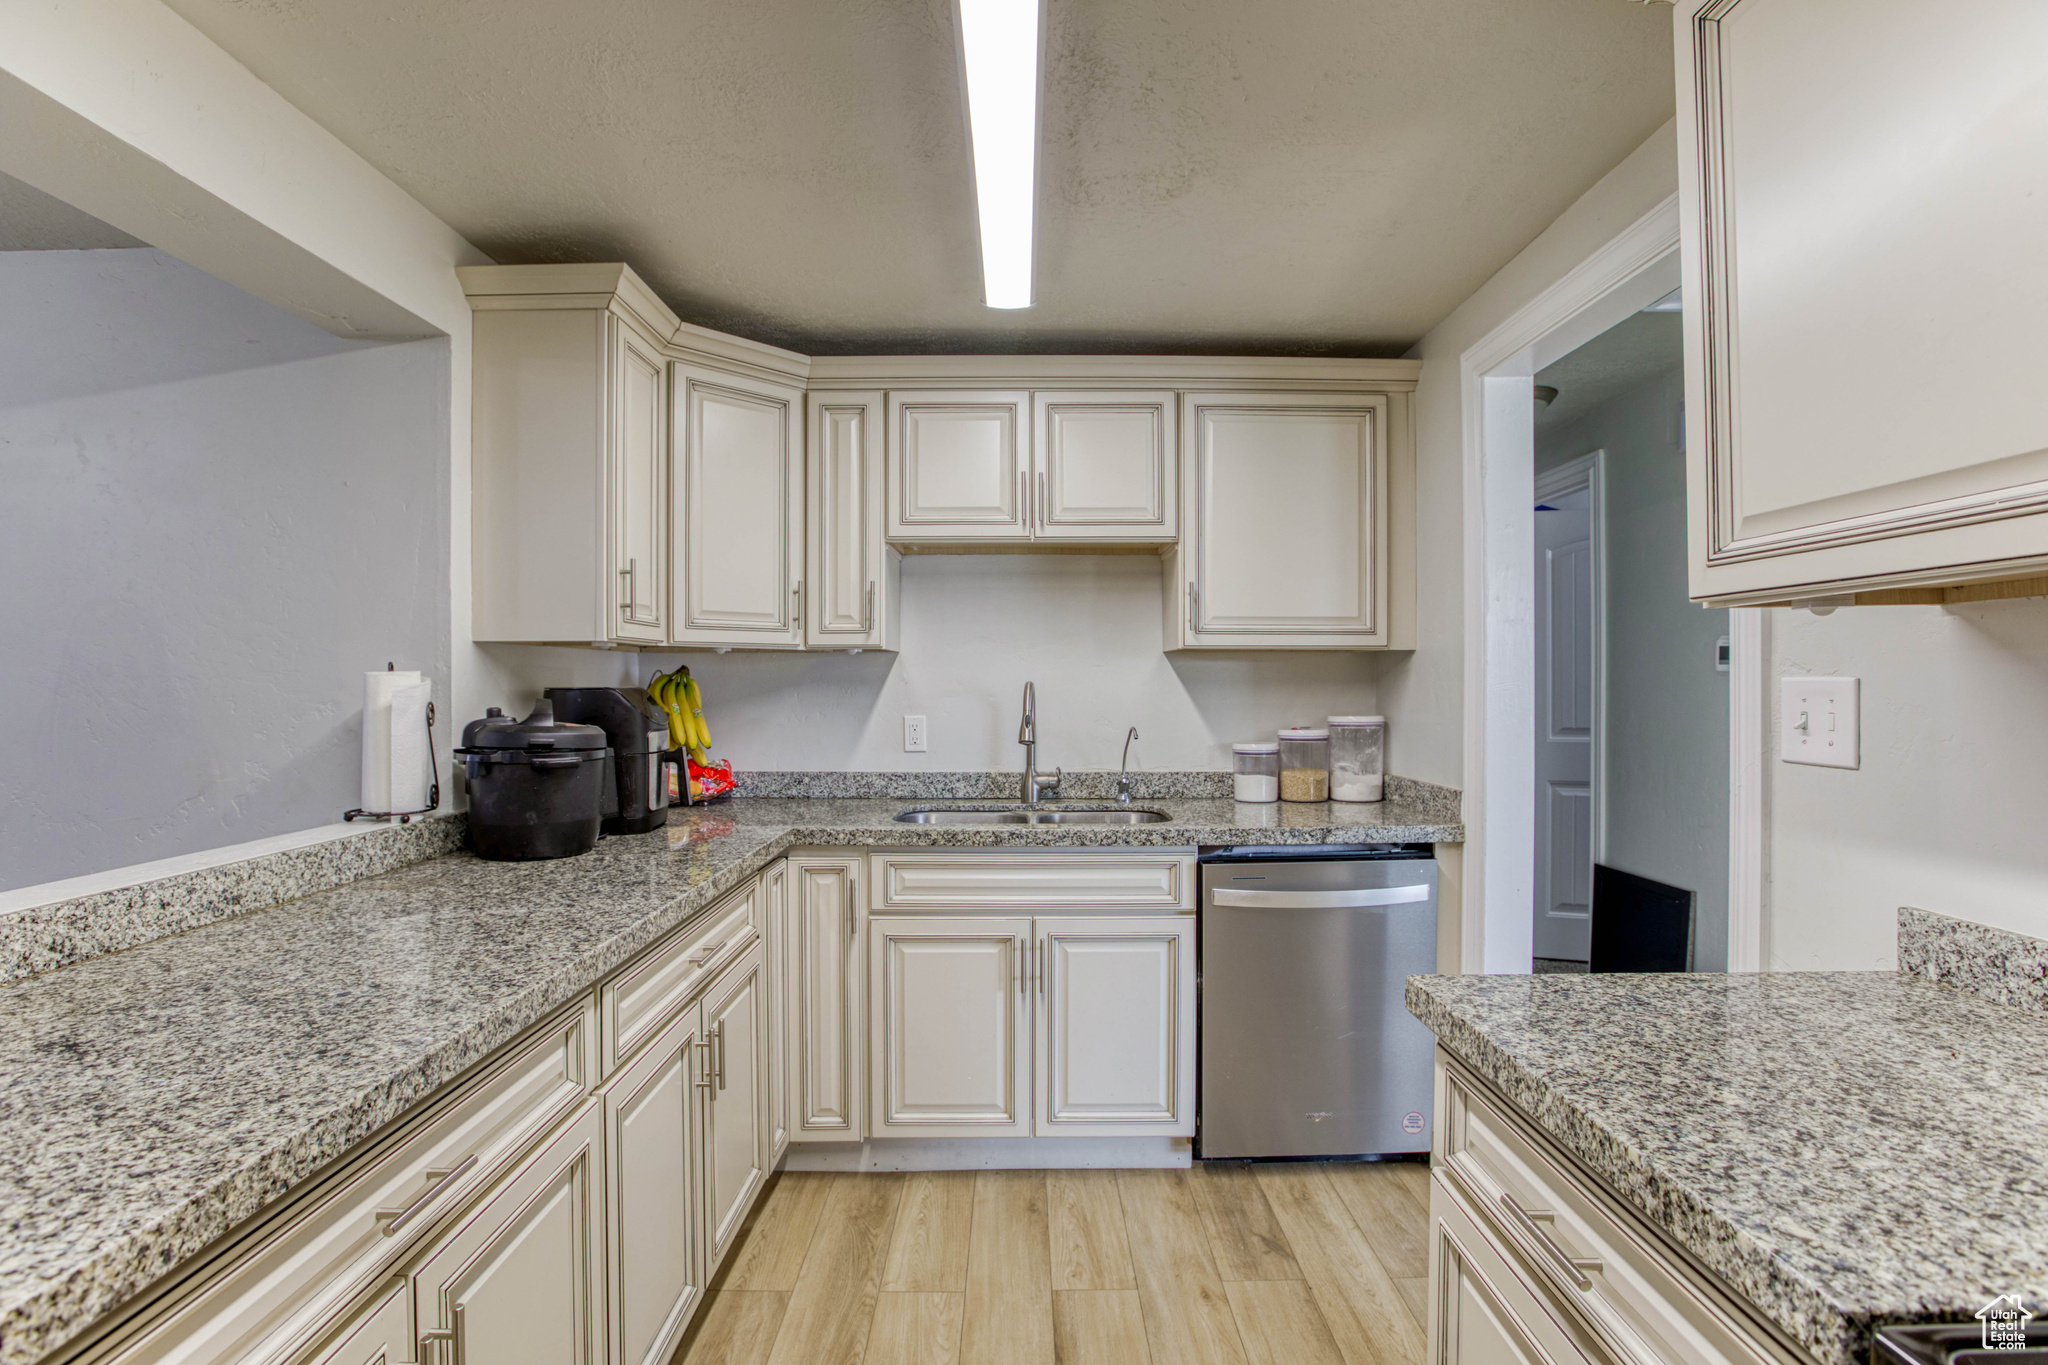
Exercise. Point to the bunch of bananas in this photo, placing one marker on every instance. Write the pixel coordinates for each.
(677, 694)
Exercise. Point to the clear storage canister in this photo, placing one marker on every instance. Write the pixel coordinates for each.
(1255, 772)
(1358, 758)
(1305, 764)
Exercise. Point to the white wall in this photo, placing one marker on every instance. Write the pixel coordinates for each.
(1423, 693)
(1947, 811)
(217, 517)
(1664, 714)
(1085, 628)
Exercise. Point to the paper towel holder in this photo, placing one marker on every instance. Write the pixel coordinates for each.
(405, 817)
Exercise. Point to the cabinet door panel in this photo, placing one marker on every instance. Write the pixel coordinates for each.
(826, 985)
(639, 459)
(948, 1054)
(653, 1142)
(775, 925)
(737, 1140)
(847, 579)
(1288, 519)
(518, 1277)
(957, 466)
(1856, 176)
(1104, 466)
(739, 493)
(380, 1334)
(1116, 1033)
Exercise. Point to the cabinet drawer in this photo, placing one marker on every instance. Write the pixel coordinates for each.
(1485, 1308)
(639, 1002)
(295, 1289)
(1079, 879)
(1642, 1307)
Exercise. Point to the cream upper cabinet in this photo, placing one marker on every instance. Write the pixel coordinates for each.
(1285, 526)
(653, 1126)
(738, 513)
(958, 465)
(825, 1010)
(852, 572)
(1103, 466)
(1863, 195)
(1116, 1025)
(949, 1026)
(520, 1276)
(569, 469)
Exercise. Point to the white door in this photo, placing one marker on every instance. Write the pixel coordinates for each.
(950, 1026)
(957, 466)
(1565, 698)
(847, 570)
(638, 454)
(379, 1334)
(1284, 541)
(1853, 175)
(1116, 1025)
(653, 1147)
(739, 489)
(824, 1011)
(736, 1138)
(517, 1280)
(1103, 466)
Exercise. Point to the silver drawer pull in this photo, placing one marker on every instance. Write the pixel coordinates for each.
(1356, 899)
(1575, 1268)
(708, 1078)
(394, 1220)
(705, 954)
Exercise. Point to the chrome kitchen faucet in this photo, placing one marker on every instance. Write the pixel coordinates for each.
(1027, 735)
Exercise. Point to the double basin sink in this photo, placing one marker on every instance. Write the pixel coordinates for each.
(1033, 815)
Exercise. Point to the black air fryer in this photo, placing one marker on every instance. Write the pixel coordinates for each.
(536, 788)
(636, 799)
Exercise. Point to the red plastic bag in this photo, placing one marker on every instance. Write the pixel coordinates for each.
(708, 783)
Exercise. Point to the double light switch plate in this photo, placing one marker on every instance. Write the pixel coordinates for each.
(1820, 722)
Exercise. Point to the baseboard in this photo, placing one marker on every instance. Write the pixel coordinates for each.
(991, 1154)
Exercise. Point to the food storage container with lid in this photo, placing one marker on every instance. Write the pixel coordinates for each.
(1255, 771)
(1358, 758)
(1305, 764)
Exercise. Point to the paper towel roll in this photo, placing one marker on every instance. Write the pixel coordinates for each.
(385, 774)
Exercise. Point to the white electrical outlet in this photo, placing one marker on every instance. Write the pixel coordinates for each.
(1820, 722)
(913, 734)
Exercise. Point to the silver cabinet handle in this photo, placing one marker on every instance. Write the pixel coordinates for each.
(708, 1076)
(1041, 954)
(1574, 1268)
(797, 597)
(1024, 501)
(1191, 608)
(867, 615)
(1023, 967)
(705, 954)
(1321, 900)
(452, 1335)
(719, 1037)
(631, 573)
(850, 911)
(394, 1220)
(1044, 507)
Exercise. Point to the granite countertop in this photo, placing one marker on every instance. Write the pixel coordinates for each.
(1844, 1149)
(157, 1097)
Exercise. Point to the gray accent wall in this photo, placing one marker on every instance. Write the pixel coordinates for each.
(216, 517)
(1664, 789)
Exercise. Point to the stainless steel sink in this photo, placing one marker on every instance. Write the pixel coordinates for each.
(1046, 815)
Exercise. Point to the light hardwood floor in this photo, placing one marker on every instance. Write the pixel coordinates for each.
(1225, 1264)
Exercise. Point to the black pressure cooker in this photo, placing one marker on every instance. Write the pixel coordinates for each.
(536, 788)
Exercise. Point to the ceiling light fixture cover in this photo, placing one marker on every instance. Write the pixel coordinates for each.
(999, 54)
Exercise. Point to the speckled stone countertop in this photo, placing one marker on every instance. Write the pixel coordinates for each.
(156, 1098)
(1844, 1149)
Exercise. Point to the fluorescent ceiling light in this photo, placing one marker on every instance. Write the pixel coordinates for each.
(999, 50)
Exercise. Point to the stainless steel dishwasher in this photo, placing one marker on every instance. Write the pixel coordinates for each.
(1306, 1047)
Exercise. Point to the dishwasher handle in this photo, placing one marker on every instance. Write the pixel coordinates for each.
(1355, 899)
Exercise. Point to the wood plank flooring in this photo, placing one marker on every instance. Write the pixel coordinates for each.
(1226, 1264)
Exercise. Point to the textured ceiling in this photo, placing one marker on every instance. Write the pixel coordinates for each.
(33, 221)
(1637, 348)
(1288, 176)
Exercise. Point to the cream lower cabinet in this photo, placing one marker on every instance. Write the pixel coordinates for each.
(998, 1026)
(737, 1138)
(520, 1275)
(655, 1145)
(380, 1334)
(774, 908)
(825, 1012)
